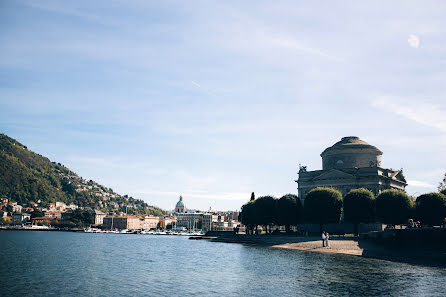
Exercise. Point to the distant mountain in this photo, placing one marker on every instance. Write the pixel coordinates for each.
(26, 176)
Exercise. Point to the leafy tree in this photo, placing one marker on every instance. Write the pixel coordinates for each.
(442, 185)
(36, 213)
(289, 211)
(323, 206)
(393, 207)
(359, 207)
(82, 217)
(265, 210)
(247, 216)
(5, 221)
(431, 208)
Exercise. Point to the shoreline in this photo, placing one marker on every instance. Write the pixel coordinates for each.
(350, 246)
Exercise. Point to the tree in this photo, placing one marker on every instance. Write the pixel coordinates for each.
(442, 186)
(253, 196)
(359, 207)
(247, 216)
(82, 217)
(289, 211)
(5, 221)
(393, 207)
(323, 206)
(431, 208)
(265, 210)
(36, 213)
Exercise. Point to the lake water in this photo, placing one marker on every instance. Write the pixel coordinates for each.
(81, 264)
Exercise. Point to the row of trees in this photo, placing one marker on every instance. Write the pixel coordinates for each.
(325, 205)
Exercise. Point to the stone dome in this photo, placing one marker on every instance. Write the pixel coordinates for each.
(351, 152)
(180, 202)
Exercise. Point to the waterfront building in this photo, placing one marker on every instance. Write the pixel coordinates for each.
(188, 220)
(149, 222)
(121, 222)
(165, 222)
(42, 221)
(180, 207)
(99, 217)
(208, 220)
(54, 214)
(19, 218)
(350, 164)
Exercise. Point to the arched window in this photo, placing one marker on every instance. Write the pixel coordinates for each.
(339, 163)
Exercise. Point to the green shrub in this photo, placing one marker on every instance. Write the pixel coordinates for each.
(393, 207)
(431, 208)
(323, 206)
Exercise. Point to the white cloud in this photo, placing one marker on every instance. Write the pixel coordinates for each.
(414, 41)
(421, 184)
(431, 115)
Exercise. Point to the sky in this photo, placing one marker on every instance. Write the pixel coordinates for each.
(213, 100)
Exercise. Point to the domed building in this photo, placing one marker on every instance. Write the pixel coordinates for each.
(350, 164)
(180, 207)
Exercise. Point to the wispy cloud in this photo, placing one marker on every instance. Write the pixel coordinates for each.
(64, 9)
(421, 184)
(414, 41)
(290, 43)
(431, 115)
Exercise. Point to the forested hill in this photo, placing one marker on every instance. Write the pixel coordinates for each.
(26, 176)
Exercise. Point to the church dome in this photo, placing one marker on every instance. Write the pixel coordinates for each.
(179, 207)
(351, 152)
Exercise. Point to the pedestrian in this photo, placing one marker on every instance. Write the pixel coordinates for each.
(323, 238)
(327, 236)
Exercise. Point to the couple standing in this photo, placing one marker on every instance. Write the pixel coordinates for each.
(325, 237)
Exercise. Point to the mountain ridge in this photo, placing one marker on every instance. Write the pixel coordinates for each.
(26, 176)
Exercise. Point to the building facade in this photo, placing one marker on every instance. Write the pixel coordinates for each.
(121, 222)
(350, 164)
(20, 218)
(149, 222)
(165, 222)
(189, 220)
(99, 217)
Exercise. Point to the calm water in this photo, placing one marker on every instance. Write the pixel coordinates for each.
(79, 264)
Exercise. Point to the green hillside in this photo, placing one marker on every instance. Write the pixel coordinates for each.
(26, 176)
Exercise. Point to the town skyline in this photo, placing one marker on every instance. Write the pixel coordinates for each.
(213, 101)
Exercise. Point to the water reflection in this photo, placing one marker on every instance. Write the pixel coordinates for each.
(70, 264)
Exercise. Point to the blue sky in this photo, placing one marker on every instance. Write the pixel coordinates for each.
(214, 100)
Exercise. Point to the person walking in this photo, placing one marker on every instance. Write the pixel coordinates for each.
(323, 238)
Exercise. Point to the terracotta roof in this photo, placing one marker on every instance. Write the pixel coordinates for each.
(43, 218)
(122, 217)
